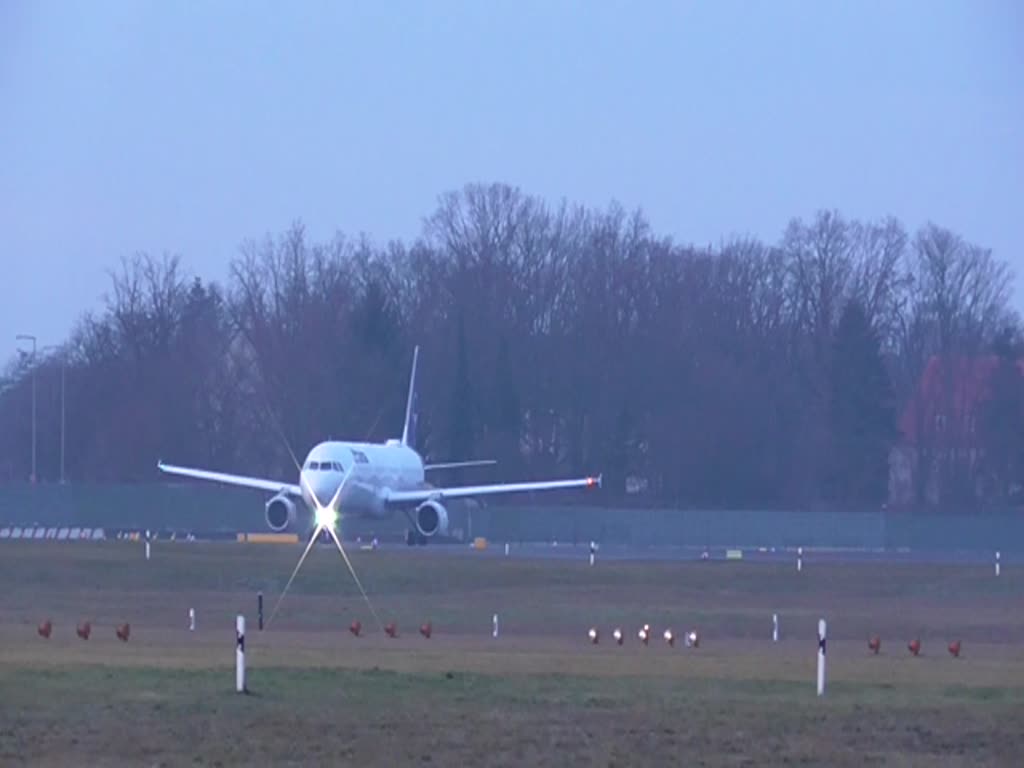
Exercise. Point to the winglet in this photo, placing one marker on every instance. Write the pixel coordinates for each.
(408, 430)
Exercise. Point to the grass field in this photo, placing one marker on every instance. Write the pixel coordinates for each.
(539, 694)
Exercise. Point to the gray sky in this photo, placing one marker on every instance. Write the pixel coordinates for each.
(189, 127)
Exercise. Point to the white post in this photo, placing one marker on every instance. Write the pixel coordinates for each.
(775, 627)
(240, 654)
(799, 559)
(592, 549)
(147, 550)
(997, 563)
(821, 657)
(506, 549)
(191, 619)
(494, 632)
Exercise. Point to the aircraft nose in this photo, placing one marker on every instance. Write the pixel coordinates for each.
(327, 485)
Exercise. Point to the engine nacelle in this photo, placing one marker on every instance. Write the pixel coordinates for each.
(280, 513)
(431, 519)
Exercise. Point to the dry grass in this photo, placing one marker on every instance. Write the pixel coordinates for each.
(538, 695)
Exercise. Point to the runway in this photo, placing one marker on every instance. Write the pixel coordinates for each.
(567, 551)
(766, 555)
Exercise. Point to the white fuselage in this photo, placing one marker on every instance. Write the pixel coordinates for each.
(368, 470)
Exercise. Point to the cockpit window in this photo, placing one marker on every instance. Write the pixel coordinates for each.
(325, 466)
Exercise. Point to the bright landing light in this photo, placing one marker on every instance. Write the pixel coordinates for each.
(326, 517)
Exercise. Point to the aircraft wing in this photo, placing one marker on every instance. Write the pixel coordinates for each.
(460, 464)
(412, 497)
(274, 486)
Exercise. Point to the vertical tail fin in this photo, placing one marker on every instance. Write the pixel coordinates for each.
(409, 429)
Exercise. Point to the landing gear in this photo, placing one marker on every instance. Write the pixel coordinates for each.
(414, 537)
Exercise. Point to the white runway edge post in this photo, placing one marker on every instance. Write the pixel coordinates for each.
(506, 549)
(775, 627)
(494, 632)
(799, 559)
(593, 549)
(191, 619)
(240, 654)
(821, 657)
(997, 563)
(147, 549)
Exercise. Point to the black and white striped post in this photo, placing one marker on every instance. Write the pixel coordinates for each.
(240, 654)
(821, 657)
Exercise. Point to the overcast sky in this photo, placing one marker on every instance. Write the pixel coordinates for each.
(188, 127)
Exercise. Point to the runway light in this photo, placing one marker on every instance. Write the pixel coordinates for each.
(617, 634)
(593, 635)
(44, 629)
(355, 627)
(427, 630)
(914, 646)
(123, 632)
(326, 517)
(692, 639)
(875, 643)
(391, 630)
(83, 630)
(669, 637)
(644, 634)
(954, 649)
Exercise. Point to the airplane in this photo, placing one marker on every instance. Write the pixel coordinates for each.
(371, 480)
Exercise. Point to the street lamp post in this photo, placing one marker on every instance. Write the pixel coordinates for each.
(30, 337)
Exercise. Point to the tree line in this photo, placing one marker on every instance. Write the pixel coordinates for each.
(557, 339)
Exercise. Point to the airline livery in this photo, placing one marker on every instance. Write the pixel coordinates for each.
(371, 480)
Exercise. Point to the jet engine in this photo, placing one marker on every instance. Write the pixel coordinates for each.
(280, 513)
(431, 519)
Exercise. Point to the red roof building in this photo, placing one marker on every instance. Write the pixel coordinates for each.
(941, 420)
